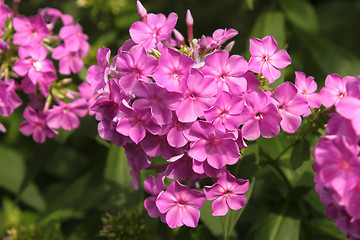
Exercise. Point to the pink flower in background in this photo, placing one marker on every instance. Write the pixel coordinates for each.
(291, 106)
(70, 61)
(35, 124)
(227, 192)
(307, 86)
(5, 11)
(227, 72)
(135, 66)
(180, 205)
(198, 97)
(173, 70)
(97, 75)
(259, 116)
(335, 89)
(349, 107)
(219, 37)
(9, 100)
(74, 38)
(265, 59)
(154, 188)
(33, 63)
(66, 115)
(154, 30)
(30, 31)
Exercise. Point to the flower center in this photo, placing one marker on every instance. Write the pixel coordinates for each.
(176, 75)
(37, 66)
(223, 77)
(341, 95)
(182, 202)
(259, 116)
(193, 95)
(266, 58)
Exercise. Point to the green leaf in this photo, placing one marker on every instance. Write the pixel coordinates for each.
(60, 215)
(250, 4)
(32, 196)
(300, 153)
(12, 169)
(270, 23)
(323, 228)
(280, 225)
(301, 13)
(116, 168)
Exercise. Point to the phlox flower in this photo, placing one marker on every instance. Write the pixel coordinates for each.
(180, 167)
(9, 100)
(259, 116)
(155, 145)
(180, 205)
(70, 61)
(227, 192)
(175, 135)
(30, 31)
(5, 11)
(335, 89)
(307, 86)
(35, 124)
(137, 160)
(134, 66)
(173, 70)
(66, 115)
(158, 99)
(133, 121)
(349, 107)
(154, 30)
(74, 38)
(265, 59)
(198, 97)
(225, 112)
(33, 63)
(107, 131)
(219, 37)
(44, 82)
(227, 72)
(97, 75)
(211, 145)
(291, 106)
(154, 188)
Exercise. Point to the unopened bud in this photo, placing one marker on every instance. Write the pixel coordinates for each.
(141, 11)
(230, 46)
(179, 37)
(190, 24)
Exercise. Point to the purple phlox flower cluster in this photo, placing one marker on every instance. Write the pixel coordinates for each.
(337, 154)
(35, 43)
(191, 106)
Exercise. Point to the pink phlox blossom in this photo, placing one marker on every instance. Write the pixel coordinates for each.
(44, 83)
(4, 46)
(137, 160)
(158, 99)
(155, 145)
(181, 205)
(51, 15)
(211, 145)
(225, 112)
(307, 86)
(9, 100)
(180, 167)
(260, 116)
(87, 94)
(70, 61)
(107, 131)
(227, 192)
(219, 37)
(66, 115)
(35, 124)
(133, 121)
(227, 72)
(198, 97)
(173, 70)
(265, 59)
(338, 159)
(176, 134)
(157, 28)
(74, 38)
(2, 128)
(291, 106)
(335, 89)
(33, 63)
(135, 66)
(252, 82)
(339, 125)
(153, 187)
(349, 106)
(30, 31)
(5, 11)
(206, 169)
(97, 75)
(107, 103)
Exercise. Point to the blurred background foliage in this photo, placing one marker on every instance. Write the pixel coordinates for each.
(77, 186)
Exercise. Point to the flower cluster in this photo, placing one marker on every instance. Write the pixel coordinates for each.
(29, 47)
(337, 154)
(192, 106)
